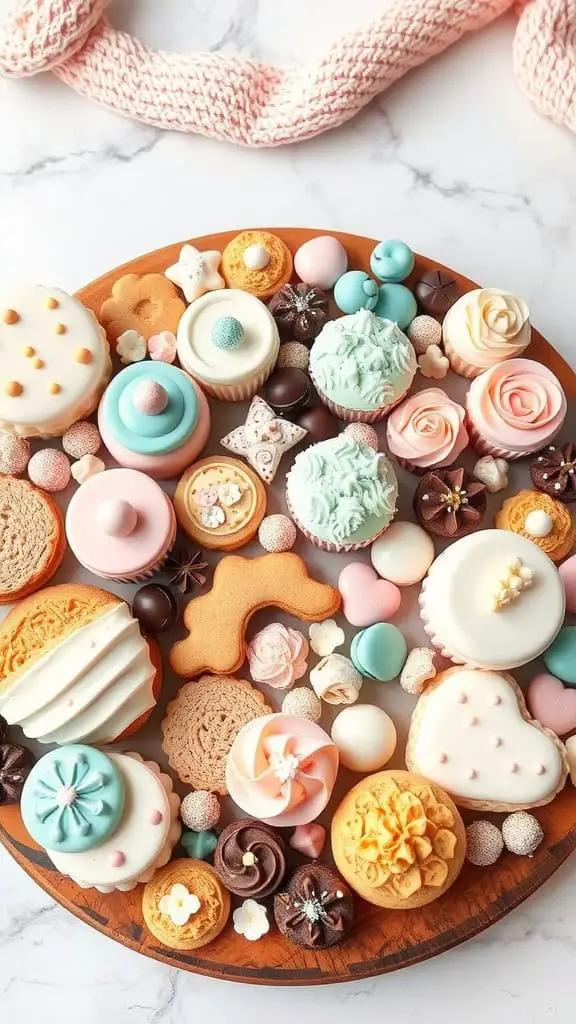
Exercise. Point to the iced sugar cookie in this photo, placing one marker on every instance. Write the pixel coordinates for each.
(32, 539)
(54, 361)
(220, 503)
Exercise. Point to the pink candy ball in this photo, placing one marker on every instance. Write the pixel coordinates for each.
(277, 533)
(117, 517)
(321, 261)
(150, 398)
(49, 469)
(14, 454)
(423, 332)
(83, 438)
(363, 433)
(200, 810)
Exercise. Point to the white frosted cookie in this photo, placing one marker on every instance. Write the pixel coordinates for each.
(54, 361)
(471, 734)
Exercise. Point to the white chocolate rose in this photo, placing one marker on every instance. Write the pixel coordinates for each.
(484, 327)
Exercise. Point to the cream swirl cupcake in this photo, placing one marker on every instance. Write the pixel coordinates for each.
(427, 431)
(514, 409)
(484, 327)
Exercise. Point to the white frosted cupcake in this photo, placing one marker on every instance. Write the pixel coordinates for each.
(484, 327)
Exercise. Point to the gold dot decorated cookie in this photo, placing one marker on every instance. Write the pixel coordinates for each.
(220, 503)
(541, 519)
(257, 262)
(185, 905)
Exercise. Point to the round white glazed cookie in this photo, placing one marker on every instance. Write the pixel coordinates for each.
(143, 841)
(471, 734)
(54, 361)
(492, 600)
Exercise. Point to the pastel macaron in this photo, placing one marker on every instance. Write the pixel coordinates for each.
(379, 652)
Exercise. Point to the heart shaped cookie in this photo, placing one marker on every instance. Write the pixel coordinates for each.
(366, 598)
(552, 704)
(471, 734)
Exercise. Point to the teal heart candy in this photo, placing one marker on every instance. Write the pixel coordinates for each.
(560, 658)
(199, 845)
(379, 652)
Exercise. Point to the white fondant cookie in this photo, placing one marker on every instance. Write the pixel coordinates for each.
(471, 734)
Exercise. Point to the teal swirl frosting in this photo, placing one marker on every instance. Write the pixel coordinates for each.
(362, 361)
(342, 491)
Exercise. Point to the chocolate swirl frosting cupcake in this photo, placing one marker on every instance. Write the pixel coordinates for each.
(249, 859)
(317, 909)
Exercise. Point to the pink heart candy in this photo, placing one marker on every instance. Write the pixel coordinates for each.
(552, 704)
(367, 599)
(309, 840)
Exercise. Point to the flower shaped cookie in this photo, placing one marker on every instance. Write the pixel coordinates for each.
(277, 656)
(147, 304)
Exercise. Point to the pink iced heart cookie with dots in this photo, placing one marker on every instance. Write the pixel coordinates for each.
(367, 599)
(472, 735)
(552, 704)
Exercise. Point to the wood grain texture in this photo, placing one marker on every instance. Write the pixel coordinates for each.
(382, 940)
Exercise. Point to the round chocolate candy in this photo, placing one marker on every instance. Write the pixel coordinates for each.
(155, 608)
(436, 291)
(288, 391)
(319, 423)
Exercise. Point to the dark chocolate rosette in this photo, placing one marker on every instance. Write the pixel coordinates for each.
(450, 503)
(317, 909)
(249, 858)
(300, 311)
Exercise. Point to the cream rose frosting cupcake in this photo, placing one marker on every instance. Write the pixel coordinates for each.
(362, 365)
(484, 327)
(228, 341)
(427, 431)
(514, 409)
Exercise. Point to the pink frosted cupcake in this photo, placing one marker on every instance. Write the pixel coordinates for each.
(484, 327)
(514, 409)
(427, 431)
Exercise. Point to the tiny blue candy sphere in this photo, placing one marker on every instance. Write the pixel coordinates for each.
(354, 291)
(396, 302)
(392, 260)
(227, 332)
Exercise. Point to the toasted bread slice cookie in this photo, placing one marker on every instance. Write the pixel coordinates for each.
(32, 538)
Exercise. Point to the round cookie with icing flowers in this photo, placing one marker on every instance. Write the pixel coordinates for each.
(544, 521)
(32, 539)
(361, 366)
(484, 327)
(220, 503)
(472, 734)
(250, 859)
(398, 840)
(154, 418)
(74, 667)
(185, 905)
(257, 262)
(229, 342)
(54, 359)
(121, 525)
(282, 769)
(492, 599)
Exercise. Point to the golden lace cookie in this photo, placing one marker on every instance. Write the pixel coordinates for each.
(541, 519)
(257, 262)
(201, 725)
(220, 503)
(146, 303)
(217, 621)
(32, 538)
(398, 840)
(185, 906)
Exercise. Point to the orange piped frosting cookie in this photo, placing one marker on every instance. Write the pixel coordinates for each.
(74, 667)
(541, 519)
(398, 840)
(185, 906)
(220, 503)
(257, 262)
(32, 539)
(145, 303)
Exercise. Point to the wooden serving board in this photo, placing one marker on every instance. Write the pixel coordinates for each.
(382, 940)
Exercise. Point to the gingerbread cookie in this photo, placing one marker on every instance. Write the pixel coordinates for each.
(32, 539)
(147, 304)
(185, 906)
(202, 723)
(257, 262)
(541, 519)
(220, 503)
(217, 621)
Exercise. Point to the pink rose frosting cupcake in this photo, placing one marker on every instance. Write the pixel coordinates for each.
(484, 327)
(514, 409)
(282, 769)
(277, 656)
(427, 431)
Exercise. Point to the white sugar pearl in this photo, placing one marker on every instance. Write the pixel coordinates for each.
(538, 523)
(256, 257)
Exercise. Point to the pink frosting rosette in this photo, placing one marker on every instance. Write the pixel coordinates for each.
(515, 408)
(427, 430)
(277, 656)
(282, 769)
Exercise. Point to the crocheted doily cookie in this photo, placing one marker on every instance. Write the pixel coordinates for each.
(185, 905)
(32, 539)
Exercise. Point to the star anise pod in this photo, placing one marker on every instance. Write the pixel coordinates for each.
(450, 503)
(553, 471)
(300, 311)
(187, 569)
(15, 764)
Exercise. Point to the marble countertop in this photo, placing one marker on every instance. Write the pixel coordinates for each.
(453, 160)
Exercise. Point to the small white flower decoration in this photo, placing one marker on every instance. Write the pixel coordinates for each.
(229, 494)
(86, 467)
(491, 472)
(325, 637)
(179, 904)
(212, 517)
(251, 920)
(433, 363)
(131, 347)
(196, 272)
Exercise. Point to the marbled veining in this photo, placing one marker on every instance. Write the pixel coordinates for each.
(452, 159)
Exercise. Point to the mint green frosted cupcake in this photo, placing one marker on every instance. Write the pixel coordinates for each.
(362, 366)
(341, 493)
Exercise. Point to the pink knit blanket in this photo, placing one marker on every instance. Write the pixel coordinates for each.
(258, 104)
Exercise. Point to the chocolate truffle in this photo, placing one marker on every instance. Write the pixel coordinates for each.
(450, 503)
(15, 765)
(553, 471)
(436, 291)
(3, 729)
(249, 858)
(300, 311)
(317, 909)
(288, 391)
(155, 608)
(319, 423)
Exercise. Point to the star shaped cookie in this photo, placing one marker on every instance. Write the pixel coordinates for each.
(263, 439)
(196, 272)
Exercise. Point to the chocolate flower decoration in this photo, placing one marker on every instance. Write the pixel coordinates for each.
(450, 503)
(553, 471)
(300, 311)
(15, 764)
(186, 569)
(317, 910)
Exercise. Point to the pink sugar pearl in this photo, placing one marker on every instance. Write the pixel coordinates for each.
(200, 810)
(14, 454)
(364, 434)
(423, 332)
(83, 438)
(50, 470)
(277, 533)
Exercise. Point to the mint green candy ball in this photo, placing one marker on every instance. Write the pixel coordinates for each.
(560, 658)
(354, 291)
(199, 845)
(396, 302)
(227, 332)
(379, 652)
